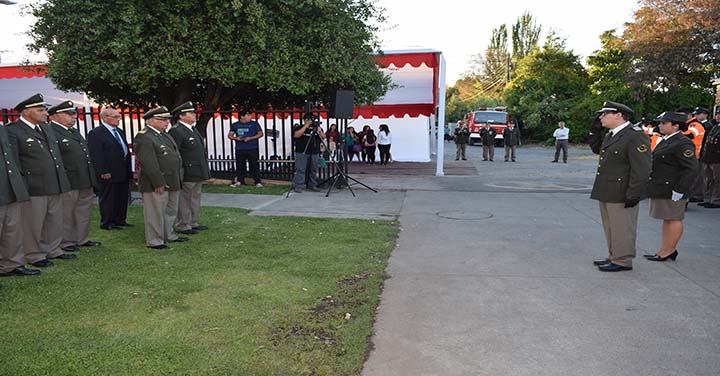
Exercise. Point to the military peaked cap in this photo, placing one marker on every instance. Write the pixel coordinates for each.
(673, 117)
(67, 106)
(34, 101)
(185, 107)
(701, 110)
(610, 106)
(160, 112)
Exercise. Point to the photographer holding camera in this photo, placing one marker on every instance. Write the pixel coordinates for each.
(307, 139)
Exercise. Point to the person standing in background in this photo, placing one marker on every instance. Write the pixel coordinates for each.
(487, 135)
(511, 139)
(384, 141)
(562, 137)
(462, 136)
(246, 132)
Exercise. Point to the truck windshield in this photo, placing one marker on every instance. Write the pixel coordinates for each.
(495, 117)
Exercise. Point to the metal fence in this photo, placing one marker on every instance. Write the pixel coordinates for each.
(277, 157)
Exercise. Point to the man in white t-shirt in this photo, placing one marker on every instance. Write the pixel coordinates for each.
(561, 134)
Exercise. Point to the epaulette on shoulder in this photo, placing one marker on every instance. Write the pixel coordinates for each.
(142, 131)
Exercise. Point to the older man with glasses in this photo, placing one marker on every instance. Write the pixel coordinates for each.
(110, 157)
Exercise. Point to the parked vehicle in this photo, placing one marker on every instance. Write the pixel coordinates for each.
(498, 117)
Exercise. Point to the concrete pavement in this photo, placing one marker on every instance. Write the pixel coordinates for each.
(493, 276)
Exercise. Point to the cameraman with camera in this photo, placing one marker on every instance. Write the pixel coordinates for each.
(307, 139)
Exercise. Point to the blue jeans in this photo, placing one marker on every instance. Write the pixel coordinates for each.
(302, 167)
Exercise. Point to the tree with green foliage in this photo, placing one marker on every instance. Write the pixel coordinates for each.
(216, 53)
(493, 77)
(525, 36)
(548, 86)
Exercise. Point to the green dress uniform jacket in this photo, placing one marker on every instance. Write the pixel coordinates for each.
(711, 152)
(462, 135)
(76, 157)
(160, 161)
(674, 167)
(12, 186)
(40, 159)
(193, 153)
(511, 137)
(624, 167)
(488, 136)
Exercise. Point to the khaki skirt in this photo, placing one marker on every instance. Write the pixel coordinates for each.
(665, 208)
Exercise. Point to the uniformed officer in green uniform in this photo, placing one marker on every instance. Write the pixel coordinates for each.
(487, 135)
(34, 143)
(12, 192)
(195, 165)
(160, 178)
(81, 175)
(620, 183)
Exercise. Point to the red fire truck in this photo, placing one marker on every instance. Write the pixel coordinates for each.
(498, 118)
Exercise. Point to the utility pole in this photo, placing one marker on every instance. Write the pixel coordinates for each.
(509, 65)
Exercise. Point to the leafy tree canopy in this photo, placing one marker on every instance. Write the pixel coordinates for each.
(547, 87)
(215, 52)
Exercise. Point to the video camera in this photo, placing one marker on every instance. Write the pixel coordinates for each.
(315, 120)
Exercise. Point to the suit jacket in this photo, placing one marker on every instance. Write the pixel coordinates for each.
(488, 136)
(12, 186)
(192, 150)
(674, 167)
(624, 166)
(160, 161)
(40, 161)
(106, 155)
(511, 137)
(76, 157)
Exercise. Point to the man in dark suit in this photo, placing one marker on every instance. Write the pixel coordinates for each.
(110, 157)
(160, 178)
(81, 175)
(511, 139)
(620, 183)
(34, 143)
(195, 166)
(12, 192)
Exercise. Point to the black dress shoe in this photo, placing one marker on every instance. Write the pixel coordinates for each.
(613, 267)
(187, 232)
(200, 228)
(179, 240)
(90, 243)
(703, 203)
(110, 227)
(161, 246)
(671, 256)
(125, 224)
(42, 263)
(64, 256)
(22, 271)
(695, 199)
(70, 248)
(712, 206)
(601, 262)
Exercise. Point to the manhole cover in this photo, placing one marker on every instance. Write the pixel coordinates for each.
(463, 215)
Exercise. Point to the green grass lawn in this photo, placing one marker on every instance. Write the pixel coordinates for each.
(251, 296)
(248, 189)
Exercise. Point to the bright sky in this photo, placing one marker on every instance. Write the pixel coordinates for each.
(458, 28)
(461, 29)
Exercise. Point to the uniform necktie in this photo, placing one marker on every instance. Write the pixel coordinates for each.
(119, 140)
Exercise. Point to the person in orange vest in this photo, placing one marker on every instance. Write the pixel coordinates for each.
(651, 130)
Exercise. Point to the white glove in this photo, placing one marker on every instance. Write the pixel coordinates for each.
(676, 196)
